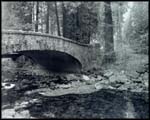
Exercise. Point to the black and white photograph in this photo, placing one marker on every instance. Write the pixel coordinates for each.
(75, 59)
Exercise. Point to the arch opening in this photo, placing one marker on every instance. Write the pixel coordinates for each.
(54, 61)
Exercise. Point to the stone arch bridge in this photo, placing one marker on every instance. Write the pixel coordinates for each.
(52, 52)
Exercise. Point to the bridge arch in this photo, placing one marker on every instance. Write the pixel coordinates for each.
(53, 60)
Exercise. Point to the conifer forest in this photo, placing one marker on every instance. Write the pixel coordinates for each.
(75, 59)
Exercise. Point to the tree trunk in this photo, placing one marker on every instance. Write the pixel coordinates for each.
(119, 23)
(37, 13)
(47, 17)
(64, 20)
(33, 16)
(108, 34)
(57, 19)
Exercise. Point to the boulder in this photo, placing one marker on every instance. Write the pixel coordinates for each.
(146, 84)
(72, 77)
(100, 85)
(119, 78)
(8, 85)
(24, 114)
(133, 74)
(145, 76)
(99, 78)
(123, 87)
(108, 74)
(85, 77)
(115, 85)
(113, 78)
(8, 113)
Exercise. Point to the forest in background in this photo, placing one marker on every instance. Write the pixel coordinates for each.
(117, 89)
(112, 24)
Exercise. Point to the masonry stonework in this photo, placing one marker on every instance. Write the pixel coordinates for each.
(15, 41)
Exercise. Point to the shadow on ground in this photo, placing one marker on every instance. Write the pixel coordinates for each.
(101, 104)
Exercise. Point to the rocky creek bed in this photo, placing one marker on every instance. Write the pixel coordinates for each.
(95, 93)
(74, 96)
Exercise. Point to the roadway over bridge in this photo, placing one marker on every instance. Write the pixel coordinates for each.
(52, 52)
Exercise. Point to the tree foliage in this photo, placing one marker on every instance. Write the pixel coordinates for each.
(79, 21)
(137, 27)
(85, 22)
(18, 15)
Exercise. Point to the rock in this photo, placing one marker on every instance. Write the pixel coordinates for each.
(89, 82)
(85, 77)
(115, 85)
(137, 90)
(145, 76)
(113, 78)
(123, 87)
(49, 115)
(140, 78)
(22, 105)
(34, 101)
(8, 85)
(104, 81)
(8, 113)
(99, 86)
(137, 80)
(99, 78)
(24, 114)
(65, 86)
(118, 78)
(25, 81)
(133, 74)
(141, 69)
(6, 80)
(24, 87)
(5, 106)
(92, 78)
(108, 73)
(72, 77)
(146, 84)
(25, 103)
(122, 71)
(85, 89)
(110, 87)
